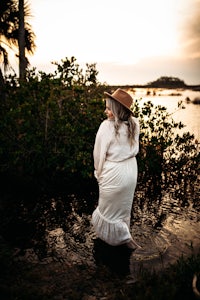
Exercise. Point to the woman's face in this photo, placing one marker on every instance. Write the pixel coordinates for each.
(108, 111)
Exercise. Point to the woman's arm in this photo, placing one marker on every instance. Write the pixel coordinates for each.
(101, 145)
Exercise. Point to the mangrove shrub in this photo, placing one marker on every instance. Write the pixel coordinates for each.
(49, 122)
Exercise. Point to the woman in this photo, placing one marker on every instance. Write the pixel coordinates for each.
(116, 145)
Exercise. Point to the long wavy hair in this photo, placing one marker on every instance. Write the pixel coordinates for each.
(122, 115)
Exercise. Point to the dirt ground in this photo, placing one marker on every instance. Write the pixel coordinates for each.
(102, 274)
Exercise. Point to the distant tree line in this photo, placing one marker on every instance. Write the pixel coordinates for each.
(167, 82)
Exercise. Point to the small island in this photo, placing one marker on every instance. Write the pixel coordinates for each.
(165, 82)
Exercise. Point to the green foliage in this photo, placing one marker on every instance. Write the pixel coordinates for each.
(48, 126)
(165, 157)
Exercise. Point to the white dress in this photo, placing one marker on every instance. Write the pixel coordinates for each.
(116, 172)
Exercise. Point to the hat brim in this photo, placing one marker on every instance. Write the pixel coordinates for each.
(110, 96)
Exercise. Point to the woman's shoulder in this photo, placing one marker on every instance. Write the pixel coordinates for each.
(106, 125)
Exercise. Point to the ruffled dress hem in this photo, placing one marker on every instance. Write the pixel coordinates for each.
(112, 232)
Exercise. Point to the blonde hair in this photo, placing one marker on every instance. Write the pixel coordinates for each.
(122, 114)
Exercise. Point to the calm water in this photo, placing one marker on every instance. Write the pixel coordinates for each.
(190, 116)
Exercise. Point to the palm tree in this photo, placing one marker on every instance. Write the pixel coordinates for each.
(15, 31)
(21, 41)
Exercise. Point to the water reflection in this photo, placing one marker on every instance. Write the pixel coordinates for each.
(163, 227)
(163, 246)
(62, 246)
(165, 222)
(170, 98)
(166, 228)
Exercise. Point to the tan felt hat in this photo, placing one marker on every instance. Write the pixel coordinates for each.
(122, 97)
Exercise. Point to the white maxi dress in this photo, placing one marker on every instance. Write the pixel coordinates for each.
(116, 172)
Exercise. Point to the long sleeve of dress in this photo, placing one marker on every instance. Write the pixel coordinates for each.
(102, 141)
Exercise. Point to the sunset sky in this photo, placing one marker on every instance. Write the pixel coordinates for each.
(131, 41)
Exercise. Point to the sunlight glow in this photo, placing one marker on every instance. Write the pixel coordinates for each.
(121, 32)
(105, 30)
